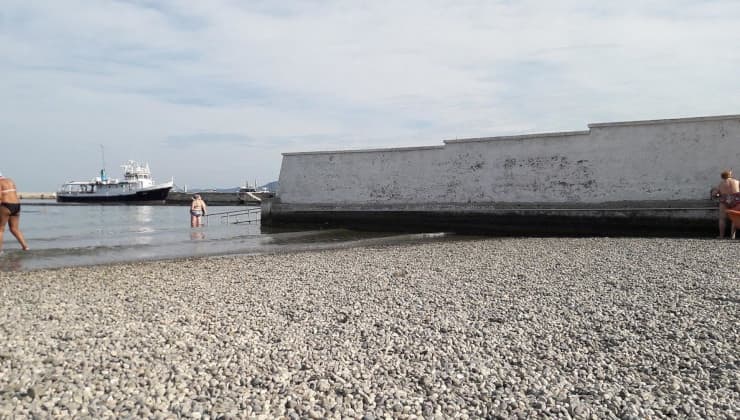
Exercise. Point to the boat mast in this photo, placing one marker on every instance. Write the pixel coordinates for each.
(103, 177)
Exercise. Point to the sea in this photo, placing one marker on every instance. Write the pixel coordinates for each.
(67, 235)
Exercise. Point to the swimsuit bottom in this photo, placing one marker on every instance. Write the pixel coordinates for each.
(15, 208)
(196, 213)
(730, 200)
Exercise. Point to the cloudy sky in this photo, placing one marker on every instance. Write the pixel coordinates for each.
(212, 92)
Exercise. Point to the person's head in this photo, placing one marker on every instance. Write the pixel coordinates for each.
(196, 197)
(727, 173)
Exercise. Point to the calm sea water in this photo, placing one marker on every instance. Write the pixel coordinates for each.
(76, 235)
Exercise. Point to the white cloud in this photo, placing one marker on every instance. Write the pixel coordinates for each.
(309, 75)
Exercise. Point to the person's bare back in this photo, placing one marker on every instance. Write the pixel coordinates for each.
(8, 193)
(729, 186)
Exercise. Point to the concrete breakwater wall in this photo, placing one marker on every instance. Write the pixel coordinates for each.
(654, 173)
(217, 198)
(37, 195)
(210, 197)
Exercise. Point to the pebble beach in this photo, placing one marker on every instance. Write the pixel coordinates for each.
(626, 328)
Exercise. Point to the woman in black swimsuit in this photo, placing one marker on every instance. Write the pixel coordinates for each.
(10, 211)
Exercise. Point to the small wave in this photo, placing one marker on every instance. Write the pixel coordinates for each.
(198, 243)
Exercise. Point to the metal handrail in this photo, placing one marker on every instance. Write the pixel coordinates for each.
(225, 216)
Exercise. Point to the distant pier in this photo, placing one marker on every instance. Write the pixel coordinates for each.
(37, 196)
(217, 198)
(213, 198)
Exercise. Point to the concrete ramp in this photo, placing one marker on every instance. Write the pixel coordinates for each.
(252, 197)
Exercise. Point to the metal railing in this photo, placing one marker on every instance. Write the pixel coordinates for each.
(251, 215)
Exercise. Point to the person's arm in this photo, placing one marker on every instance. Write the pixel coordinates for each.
(204, 208)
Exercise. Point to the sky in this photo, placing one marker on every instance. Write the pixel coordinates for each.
(210, 93)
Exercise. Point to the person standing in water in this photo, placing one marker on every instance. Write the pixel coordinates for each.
(197, 211)
(728, 193)
(10, 211)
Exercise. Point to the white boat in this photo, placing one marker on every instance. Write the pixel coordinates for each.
(250, 194)
(137, 186)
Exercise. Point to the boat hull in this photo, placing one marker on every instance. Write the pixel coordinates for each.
(149, 195)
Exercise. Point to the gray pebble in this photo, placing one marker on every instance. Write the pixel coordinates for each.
(485, 328)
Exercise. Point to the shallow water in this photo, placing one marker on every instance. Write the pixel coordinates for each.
(78, 235)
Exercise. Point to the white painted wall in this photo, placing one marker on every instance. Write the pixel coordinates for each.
(663, 160)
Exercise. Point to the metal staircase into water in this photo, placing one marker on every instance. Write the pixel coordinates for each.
(249, 215)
